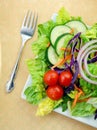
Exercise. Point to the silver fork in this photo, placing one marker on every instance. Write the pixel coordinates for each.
(27, 31)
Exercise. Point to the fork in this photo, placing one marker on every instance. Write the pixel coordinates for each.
(27, 31)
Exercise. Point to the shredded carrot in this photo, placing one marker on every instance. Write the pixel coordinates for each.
(72, 31)
(58, 63)
(76, 99)
(48, 44)
(83, 100)
(80, 92)
(77, 88)
(95, 53)
(79, 76)
(66, 49)
(62, 61)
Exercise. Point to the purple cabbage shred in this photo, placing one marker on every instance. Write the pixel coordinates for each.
(76, 72)
(93, 60)
(68, 89)
(95, 117)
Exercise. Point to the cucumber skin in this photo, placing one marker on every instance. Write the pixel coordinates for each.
(78, 21)
(65, 34)
(67, 26)
(47, 55)
(53, 28)
(54, 46)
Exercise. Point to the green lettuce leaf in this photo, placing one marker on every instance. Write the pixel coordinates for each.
(34, 96)
(72, 94)
(46, 106)
(84, 38)
(76, 18)
(58, 103)
(37, 67)
(64, 104)
(93, 101)
(91, 33)
(45, 28)
(83, 109)
(63, 16)
(39, 46)
(88, 88)
(36, 91)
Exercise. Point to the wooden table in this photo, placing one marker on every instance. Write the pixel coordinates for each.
(15, 113)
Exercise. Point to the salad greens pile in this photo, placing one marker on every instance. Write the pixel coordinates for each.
(36, 92)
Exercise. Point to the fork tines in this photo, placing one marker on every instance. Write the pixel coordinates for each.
(30, 19)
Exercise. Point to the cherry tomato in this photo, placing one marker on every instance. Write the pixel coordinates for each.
(65, 78)
(51, 77)
(55, 92)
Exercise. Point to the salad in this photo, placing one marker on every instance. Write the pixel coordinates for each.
(64, 67)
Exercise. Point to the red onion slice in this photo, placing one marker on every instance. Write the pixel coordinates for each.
(88, 48)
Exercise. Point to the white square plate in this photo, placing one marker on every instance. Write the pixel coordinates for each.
(87, 120)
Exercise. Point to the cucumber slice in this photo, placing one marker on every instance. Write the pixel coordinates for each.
(78, 26)
(61, 42)
(57, 31)
(52, 56)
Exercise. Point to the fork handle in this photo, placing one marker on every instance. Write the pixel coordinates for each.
(10, 83)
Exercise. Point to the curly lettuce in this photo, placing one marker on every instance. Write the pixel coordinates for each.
(45, 28)
(82, 109)
(88, 88)
(46, 106)
(39, 47)
(91, 33)
(64, 16)
(37, 67)
(36, 91)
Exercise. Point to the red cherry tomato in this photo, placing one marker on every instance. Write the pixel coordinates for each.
(51, 77)
(55, 92)
(65, 78)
